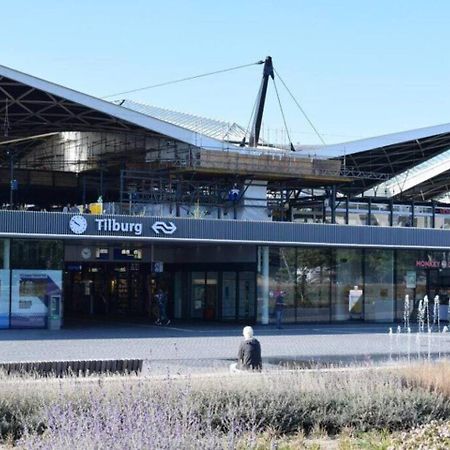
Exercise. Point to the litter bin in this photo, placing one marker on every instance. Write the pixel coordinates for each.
(54, 321)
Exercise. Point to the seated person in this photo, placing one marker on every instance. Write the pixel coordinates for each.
(249, 354)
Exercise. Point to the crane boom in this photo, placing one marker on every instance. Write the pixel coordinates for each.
(256, 128)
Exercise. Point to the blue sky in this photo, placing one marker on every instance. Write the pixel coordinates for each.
(359, 68)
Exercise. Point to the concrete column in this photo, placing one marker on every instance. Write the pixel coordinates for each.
(264, 285)
(6, 252)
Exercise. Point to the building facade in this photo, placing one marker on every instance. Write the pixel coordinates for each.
(81, 265)
(105, 203)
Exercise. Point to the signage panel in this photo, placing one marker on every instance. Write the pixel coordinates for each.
(31, 292)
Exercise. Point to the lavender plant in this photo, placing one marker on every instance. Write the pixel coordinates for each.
(217, 412)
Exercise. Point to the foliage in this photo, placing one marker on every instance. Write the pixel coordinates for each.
(432, 436)
(217, 412)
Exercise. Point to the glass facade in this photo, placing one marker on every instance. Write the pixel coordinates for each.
(380, 214)
(379, 285)
(348, 275)
(323, 285)
(318, 284)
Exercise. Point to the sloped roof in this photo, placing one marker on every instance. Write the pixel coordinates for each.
(30, 105)
(391, 154)
(216, 129)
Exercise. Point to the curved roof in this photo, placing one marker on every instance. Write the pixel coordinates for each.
(391, 154)
(216, 129)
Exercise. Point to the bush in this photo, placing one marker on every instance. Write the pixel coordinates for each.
(216, 412)
(432, 436)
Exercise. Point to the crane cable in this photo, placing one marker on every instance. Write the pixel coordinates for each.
(300, 108)
(284, 118)
(166, 83)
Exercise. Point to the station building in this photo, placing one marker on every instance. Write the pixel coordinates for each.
(104, 202)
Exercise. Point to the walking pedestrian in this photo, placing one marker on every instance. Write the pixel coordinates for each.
(279, 307)
(161, 298)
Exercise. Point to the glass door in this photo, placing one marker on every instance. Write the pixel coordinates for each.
(197, 294)
(229, 283)
(246, 295)
(210, 309)
(204, 295)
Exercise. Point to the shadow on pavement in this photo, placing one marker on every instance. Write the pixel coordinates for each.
(107, 329)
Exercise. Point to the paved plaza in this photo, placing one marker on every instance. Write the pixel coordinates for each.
(195, 347)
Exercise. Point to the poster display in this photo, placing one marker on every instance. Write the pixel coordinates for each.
(4, 298)
(355, 303)
(411, 279)
(30, 296)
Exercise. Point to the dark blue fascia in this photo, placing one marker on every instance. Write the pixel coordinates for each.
(25, 224)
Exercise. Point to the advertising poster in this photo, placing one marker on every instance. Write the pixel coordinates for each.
(31, 292)
(355, 302)
(411, 280)
(4, 298)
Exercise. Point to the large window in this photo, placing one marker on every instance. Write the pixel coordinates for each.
(348, 281)
(402, 216)
(380, 214)
(411, 280)
(282, 273)
(34, 254)
(313, 284)
(303, 276)
(379, 285)
(423, 216)
(358, 213)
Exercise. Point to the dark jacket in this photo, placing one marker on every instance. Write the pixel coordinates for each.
(249, 355)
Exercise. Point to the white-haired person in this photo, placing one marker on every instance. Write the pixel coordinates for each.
(249, 354)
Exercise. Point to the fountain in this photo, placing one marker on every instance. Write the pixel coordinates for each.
(406, 312)
(420, 316)
(423, 314)
(426, 346)
(436, 312)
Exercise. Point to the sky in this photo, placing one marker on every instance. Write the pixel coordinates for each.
(358, 68)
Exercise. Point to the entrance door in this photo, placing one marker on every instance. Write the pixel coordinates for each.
(106, 289)
(229, 284)
(204, 287)
(246, 296)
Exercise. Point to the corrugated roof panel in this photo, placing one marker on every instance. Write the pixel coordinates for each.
(230, 132)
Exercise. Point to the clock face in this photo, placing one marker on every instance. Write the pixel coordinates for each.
(78, 224)
(86, 253)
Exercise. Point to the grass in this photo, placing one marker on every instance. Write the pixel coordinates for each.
(332, 409)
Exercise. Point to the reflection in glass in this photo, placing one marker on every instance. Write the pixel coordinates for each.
(423, 216)
(380, 214)
(358, 213)
(229, 295)
(198, 294)
(282, 278)
(313, 284)
(410, 279)
(379, 285)
(34, 254)
(246, 295)
(348, 274)
(401, 216)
